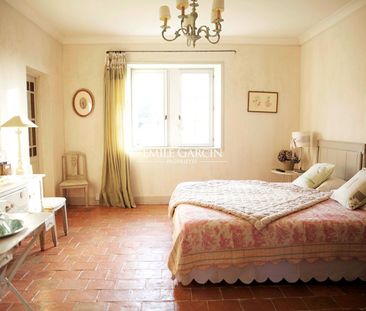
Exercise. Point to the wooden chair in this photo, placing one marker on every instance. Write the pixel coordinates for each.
(74, 174)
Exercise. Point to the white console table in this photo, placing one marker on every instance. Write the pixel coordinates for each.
(21, 198)
(21, 193)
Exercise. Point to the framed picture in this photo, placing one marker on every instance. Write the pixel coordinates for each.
(259, 101)
(83, 102)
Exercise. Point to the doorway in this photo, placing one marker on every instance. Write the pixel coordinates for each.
(32, 115)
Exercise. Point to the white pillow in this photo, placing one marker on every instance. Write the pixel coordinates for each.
(315, 175)
(353, 193)
(332, 183)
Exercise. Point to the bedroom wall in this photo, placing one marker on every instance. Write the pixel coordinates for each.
(251, 141)
(25, 47)
(333, 81)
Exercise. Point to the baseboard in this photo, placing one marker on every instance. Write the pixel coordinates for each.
(152, 200)
(80, 201)
(138, 200)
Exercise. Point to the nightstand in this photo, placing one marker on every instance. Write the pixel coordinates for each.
(289, 176)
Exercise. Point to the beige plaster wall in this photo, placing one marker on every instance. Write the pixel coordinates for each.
(251, 141)
(333, 81)
(23, 46)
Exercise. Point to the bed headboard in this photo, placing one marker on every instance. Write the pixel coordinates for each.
(348, 158)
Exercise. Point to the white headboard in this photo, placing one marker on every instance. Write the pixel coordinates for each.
(348, 158)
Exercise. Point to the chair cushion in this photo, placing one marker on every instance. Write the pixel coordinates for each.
(53, 202)
(74, 183)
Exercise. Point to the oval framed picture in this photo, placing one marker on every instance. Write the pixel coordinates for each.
(83, 102)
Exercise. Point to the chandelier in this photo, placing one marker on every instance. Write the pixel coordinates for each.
(188, 26)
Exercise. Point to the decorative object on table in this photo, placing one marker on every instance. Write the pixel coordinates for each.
(262, 101)
(9, 226)
(19, 122)
(188, 26)
(301, 140)
(5, 168)
(83, 102)
(288, 159)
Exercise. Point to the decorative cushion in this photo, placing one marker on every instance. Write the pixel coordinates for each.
(331, 184)
(315, 175)
(353, 193)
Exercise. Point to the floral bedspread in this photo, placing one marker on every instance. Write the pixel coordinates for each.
(205, 238)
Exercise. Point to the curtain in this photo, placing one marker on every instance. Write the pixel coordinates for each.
(116, 189)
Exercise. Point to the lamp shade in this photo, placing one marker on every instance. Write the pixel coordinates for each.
(164, 12)
(300, 139)
(19, 121)
(182, 4)
(218, 5)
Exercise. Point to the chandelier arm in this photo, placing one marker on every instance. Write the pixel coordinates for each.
(217, 36)
(176, 35)
(185, 30)
(210, 33)
(204, 29)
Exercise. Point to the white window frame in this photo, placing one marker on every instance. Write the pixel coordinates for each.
(171, 137)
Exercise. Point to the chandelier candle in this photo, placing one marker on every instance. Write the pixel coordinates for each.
(188, 27)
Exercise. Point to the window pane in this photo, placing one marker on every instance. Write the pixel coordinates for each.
(196, 111)
(34, 138)
(30, 137)
(32, 104)
(148, 108)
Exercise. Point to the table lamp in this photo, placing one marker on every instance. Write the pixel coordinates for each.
(300, 140)
(19, 122)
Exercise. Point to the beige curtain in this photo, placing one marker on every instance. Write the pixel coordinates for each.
(116, 190)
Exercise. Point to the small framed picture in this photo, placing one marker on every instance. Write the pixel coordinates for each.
(259, 101)
(83, 102)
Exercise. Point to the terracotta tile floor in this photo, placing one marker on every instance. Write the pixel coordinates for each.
(115, 259)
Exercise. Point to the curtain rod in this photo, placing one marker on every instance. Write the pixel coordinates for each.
(174, 51)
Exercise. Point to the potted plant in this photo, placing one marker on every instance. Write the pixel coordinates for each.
(288, 159)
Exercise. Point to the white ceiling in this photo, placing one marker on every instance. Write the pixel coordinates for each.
(73, 21)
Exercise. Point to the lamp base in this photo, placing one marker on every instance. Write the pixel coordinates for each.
(19, 170)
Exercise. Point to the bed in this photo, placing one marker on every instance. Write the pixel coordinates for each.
(322, 241)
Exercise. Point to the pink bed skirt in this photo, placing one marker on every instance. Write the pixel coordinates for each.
(321, 270)
(323, 241)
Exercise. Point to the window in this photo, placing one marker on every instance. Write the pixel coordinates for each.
(175, 105)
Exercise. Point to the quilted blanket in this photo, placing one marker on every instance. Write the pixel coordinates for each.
(258, 202)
